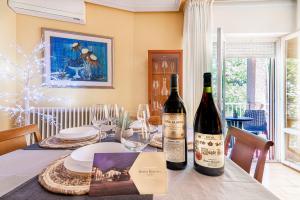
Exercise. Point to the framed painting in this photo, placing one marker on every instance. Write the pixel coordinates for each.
(77, 60)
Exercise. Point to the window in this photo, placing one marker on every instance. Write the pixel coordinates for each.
(292, 103)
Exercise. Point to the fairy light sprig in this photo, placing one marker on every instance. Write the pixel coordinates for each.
(28, 76)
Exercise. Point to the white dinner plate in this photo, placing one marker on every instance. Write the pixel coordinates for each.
(81, 160)
(77, 133)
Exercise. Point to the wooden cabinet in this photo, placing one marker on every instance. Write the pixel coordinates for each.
(161, 64)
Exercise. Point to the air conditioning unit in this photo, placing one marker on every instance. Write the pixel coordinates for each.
(64, 10)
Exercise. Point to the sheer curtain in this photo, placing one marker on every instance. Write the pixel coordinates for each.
(197, 49)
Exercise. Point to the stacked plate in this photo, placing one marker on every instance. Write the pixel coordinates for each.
(72, 138)
(81, 160)
(77, 133)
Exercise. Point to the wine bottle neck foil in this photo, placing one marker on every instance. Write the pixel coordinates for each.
(207, 90)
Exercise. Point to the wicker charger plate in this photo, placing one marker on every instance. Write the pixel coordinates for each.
(56, 178)
(55, 143)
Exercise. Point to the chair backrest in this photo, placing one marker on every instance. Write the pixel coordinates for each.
(259, 122)
(244, 148)
(14, 139)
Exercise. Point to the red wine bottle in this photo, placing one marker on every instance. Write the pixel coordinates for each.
(208, 137)
(174, 129)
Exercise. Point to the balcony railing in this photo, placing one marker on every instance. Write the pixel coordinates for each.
(239, 107)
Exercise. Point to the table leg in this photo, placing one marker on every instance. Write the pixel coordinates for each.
(230, 124)
(240, 125)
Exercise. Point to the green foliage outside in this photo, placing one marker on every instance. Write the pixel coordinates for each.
(291, 87)
(236, 80)
(235, 83)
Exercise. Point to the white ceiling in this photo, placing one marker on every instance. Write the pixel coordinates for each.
(174, 5)
(140, 5)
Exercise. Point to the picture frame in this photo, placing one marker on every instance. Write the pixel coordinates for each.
(74, 59)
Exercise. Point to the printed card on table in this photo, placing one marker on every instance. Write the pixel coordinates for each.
(129, 173)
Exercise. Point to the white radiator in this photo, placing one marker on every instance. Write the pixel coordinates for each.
(51, 120)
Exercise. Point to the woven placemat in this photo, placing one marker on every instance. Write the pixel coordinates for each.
(55, 143)
(56, 178)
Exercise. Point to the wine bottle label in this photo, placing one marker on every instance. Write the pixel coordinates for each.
(209, 150)
(173, 125)
(174, 136)
(174, 149)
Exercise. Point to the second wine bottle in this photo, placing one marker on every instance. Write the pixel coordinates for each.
(208, 137)
(174, 129)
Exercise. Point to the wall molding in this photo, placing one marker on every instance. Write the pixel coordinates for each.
(140, 5)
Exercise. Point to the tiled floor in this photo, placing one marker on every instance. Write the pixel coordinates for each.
(282, 181)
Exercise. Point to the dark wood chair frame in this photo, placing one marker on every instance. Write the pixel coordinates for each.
(244, 148)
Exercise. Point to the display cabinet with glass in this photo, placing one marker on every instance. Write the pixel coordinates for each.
(161, 64)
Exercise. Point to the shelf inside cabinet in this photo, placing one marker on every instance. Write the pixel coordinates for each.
(162, 74)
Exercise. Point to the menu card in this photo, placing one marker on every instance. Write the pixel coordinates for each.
(128, 173)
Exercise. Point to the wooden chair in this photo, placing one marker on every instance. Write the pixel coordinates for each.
(13, 139)
(244, 148)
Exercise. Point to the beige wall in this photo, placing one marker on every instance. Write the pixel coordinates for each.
(133, 33)
(7, 39)
(153, 31)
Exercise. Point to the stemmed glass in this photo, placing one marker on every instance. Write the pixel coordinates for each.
(143, 112)
(156, 66)
(121, 111)
(143, 115)
(113, 113)
(135, 140)
(113, 116)
(99, 117)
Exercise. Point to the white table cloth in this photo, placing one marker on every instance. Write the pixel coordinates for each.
(19, 166)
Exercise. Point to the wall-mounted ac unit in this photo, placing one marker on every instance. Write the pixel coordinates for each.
(65, 10)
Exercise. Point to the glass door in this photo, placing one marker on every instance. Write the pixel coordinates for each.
(243, 80)
(220, 72)
(290, 138)
(245, 84)
(217, 71)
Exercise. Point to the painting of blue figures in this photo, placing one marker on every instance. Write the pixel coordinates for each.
(78, 60)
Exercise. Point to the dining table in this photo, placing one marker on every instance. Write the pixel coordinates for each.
(19, 170)
(237, 121)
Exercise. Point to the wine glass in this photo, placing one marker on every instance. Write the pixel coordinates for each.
(135, 139)
(143, 112)
(156, 66)
(113, 116)
(121, 110)
(113, 113)
(99, 117)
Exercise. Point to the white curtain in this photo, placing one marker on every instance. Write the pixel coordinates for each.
(197, 50)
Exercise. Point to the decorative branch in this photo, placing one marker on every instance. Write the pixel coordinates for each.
(19, 104)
